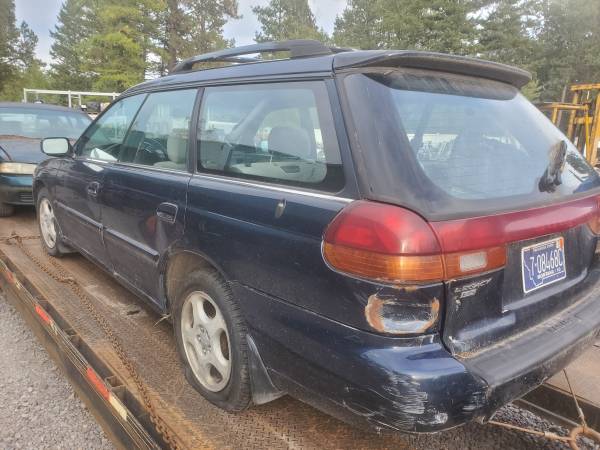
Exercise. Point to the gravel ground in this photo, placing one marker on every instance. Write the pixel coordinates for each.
(39, 409)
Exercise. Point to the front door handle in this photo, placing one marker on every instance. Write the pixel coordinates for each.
(167, 212)
(93, 188)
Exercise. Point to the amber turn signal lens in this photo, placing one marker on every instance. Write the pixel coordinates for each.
(466, 263)
(388, 268)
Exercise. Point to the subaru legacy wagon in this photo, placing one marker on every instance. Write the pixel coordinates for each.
(398, 238)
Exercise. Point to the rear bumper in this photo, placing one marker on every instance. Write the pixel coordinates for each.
(16, 189)
(517, 365)
(407, 384)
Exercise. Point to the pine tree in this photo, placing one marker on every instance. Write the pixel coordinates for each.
(75, 26)
(116, 53)
(508, 32)
(360, 26)
(569, 46)
(436, 25)
(24, 48)
(189, 27)
(22, 68)
(8, 36)
(287, 19)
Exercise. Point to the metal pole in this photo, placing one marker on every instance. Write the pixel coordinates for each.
(69, 95)
(24, 95)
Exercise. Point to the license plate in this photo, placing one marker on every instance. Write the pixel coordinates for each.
(543, 264)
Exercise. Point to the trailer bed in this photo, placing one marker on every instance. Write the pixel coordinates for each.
(56, 314)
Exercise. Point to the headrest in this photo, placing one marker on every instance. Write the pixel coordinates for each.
(290, 141)
(177, 146)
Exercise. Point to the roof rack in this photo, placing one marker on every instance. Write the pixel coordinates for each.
(298, 48)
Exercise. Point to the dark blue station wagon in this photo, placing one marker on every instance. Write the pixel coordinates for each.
(398, 238)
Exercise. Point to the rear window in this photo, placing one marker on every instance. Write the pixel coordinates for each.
(451, 145)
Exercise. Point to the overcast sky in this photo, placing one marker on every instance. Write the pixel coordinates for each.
(41, 17)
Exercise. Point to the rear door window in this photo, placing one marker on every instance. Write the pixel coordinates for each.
(279, 132)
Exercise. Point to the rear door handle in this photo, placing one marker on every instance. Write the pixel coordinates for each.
(93, 188)
(167, 212)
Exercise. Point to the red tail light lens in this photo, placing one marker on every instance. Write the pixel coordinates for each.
(395, 245)
(383, 242)
(382, 228)
(391, 244)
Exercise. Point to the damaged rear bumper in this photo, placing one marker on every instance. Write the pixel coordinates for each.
(406, 384)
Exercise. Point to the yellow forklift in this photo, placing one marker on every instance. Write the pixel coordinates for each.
(579, 119)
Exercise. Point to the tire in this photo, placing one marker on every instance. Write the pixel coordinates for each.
(232, 392)
(6, 210)
(54, 247)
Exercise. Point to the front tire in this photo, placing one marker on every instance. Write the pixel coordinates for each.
(49, 230)
(211, 340)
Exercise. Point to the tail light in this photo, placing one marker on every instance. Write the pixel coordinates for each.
(394, 245)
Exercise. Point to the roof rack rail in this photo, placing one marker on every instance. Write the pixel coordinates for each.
(298, 48)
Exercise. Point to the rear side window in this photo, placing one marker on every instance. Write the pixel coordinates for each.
(279, 132)
(103, 139)
(159, 135)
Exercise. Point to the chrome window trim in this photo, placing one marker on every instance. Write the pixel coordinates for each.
(140, 166)
(100, 161)
(272, 187)
(153, 168)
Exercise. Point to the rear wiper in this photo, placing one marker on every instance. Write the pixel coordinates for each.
(552, 175)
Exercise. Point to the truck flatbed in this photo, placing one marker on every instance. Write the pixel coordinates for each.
(83, 351)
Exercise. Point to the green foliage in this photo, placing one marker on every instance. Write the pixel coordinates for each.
(437, 25)
(24, 48)
(23, 69)
(76, 24)
(110, 45)
(8, 35)
(190, 27)
(569, 45)
(287, 19)
(115, 54)
(361, 26)
(507, 32)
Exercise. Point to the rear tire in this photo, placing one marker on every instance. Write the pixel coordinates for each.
(210, 333)
(50, 235)
(6, 210)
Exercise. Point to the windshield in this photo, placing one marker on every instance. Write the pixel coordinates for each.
(448, 145)
(38, 123)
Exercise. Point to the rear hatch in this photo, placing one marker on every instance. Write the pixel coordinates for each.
(487, 170)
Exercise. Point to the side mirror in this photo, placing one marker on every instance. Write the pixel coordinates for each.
(56, 146)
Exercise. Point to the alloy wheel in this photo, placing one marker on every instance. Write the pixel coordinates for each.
(47, 224)
(206, 341)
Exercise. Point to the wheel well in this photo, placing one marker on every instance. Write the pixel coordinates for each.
(178, 266)
(37, 185)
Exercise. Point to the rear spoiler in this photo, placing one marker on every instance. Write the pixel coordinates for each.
(433, 61)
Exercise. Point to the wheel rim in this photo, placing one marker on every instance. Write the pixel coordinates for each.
(206, 341)
(47, 224)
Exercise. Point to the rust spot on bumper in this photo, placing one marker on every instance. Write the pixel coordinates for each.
(388, 322)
